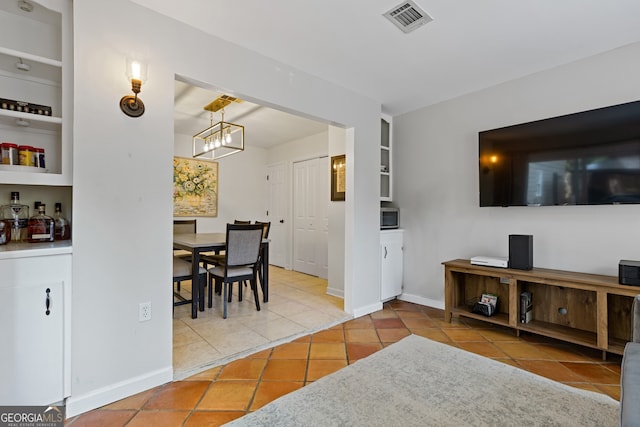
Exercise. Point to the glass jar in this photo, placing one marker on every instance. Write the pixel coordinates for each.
(38, 157)
(25, 153)
(40, 227)
(9, 153)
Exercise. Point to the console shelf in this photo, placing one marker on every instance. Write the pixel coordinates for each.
(587, 309)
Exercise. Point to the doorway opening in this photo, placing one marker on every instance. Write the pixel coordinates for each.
(298, 303)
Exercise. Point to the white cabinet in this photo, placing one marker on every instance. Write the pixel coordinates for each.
(34, 293)
(391, 259)
(36, 63)
(35, 68)
(386, 181)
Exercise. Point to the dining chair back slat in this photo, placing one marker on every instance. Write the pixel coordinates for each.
(181, 226)
(243, 245)
(241, 259)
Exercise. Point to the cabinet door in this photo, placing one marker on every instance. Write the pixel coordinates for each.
(391, 264)
(31, 354)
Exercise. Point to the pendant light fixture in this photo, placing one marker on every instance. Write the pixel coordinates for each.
(220, 139)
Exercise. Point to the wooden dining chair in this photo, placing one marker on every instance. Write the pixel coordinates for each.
(182, 272)
(240, 263)
(266, 226)
(183, 226)
(217, 258)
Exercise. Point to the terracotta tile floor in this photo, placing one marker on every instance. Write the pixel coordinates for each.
(226, 392)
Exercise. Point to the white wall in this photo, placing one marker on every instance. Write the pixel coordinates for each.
(300, 149)
(436, 178)
(241, 185)
(122, 194)
(337, 146)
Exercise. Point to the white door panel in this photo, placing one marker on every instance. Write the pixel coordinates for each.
(277, 213)
(310, 243)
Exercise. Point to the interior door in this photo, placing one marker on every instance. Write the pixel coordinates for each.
(277, 213)
(310, 219)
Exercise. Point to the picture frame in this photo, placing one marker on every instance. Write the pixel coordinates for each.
(338, 177)
(195, 187)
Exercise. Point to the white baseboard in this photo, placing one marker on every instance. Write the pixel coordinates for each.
(416, 299)
(76, 405)
(335, 292)
(361, 311)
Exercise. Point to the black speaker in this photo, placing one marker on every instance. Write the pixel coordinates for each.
(521, 251)
(629, 273)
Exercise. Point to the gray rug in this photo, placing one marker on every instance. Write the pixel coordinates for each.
(419, 382)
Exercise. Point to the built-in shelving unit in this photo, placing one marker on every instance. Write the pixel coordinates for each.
(586, 309)
(35, 292)
(35, 67)
(386, 182)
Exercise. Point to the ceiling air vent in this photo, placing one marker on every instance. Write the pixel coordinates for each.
(408, 16)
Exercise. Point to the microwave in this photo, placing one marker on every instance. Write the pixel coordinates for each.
(389, 218)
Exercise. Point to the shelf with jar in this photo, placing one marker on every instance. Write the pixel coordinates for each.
(35, 90)
(386, 181)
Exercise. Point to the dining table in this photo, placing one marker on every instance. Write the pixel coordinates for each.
(198, 243)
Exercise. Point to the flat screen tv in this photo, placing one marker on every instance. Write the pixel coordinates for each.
(586, 158)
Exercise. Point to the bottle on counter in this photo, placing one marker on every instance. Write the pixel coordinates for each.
(62, 228)
(17, 215)
(40, 227)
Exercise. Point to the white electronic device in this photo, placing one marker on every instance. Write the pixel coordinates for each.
(490, 261)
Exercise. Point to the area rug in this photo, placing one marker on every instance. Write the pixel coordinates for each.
(419, 382)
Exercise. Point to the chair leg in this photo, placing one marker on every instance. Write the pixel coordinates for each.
(224, 299)
(202, 279)
(254, 287)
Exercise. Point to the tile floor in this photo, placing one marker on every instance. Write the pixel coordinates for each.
(298, 304)
(228, 391)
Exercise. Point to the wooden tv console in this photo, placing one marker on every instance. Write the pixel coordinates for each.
(587, 309)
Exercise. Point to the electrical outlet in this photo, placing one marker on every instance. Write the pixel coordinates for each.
(144, 311)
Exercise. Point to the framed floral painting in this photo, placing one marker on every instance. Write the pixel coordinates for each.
(195, 187)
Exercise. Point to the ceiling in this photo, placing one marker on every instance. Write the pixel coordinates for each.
(264, 127)
(469, 45)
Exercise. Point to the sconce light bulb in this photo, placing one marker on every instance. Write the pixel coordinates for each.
(135, 70)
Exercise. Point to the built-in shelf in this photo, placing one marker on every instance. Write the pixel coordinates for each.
(26, 56)
(36, 121)
(36, 68)
(386, 182)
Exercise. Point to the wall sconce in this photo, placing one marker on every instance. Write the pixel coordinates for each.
(131, 105)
